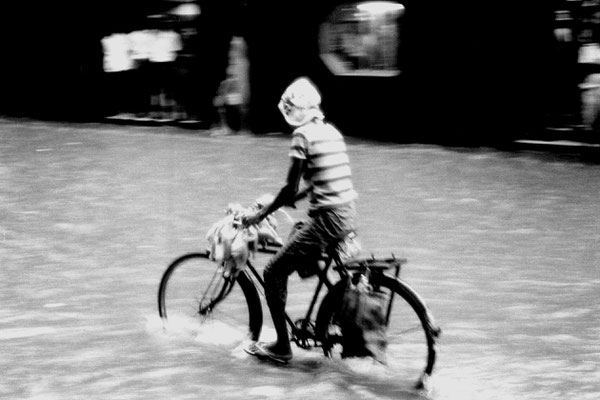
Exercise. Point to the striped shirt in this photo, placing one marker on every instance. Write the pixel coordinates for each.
(327, 172)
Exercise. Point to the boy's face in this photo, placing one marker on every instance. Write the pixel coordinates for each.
(290, 111)
(286, 106)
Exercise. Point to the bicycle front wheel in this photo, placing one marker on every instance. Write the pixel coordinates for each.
(194, 291)
(411, 332)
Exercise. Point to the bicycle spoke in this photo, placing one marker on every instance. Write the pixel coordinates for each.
(409, 352)
(210, 285)
(194, 289)
(414, 329)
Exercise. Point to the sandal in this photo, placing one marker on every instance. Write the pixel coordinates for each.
(251, 348)
(260, 350)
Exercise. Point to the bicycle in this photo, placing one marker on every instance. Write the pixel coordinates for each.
(196, 287)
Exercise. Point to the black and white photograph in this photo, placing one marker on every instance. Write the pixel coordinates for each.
(285, 200)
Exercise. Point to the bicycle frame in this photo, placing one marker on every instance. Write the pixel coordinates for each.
(300, 330)
(325, 331)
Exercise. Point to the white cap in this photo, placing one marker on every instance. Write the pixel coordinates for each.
(302, 93)
(300, 102)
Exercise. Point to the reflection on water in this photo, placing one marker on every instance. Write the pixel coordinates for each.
(504, 247)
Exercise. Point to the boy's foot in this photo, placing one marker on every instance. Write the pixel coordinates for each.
(251, 348)
(265, 351)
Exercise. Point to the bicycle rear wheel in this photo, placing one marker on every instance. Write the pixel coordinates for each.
(193, 291)
(411, 331)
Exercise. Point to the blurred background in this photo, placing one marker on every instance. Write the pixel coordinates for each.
(458, 72)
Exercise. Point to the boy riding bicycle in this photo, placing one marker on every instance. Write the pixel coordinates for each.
(318, 155)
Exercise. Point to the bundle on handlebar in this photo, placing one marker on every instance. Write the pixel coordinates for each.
(231, 243)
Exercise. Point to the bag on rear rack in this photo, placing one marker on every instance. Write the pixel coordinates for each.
(362, 319)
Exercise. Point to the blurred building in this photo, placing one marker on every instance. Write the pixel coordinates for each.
(452, 72)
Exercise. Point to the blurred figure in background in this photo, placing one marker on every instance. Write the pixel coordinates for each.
(141, 41)
(186, 66)
(118, 66)
(565, 106)
(589, 60)
(166, 44)
(222, 103)
(231, 98)
(187, 63)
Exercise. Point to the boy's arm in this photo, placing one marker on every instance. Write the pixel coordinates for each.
(299, 196)
(287, 194)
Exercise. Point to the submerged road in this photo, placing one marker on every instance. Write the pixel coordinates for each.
(504, 246)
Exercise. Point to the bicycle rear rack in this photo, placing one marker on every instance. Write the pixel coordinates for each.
(376, 265)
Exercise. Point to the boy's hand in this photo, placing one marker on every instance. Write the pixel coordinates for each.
(251, 218)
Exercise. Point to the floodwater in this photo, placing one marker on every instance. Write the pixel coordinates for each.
(503, 246)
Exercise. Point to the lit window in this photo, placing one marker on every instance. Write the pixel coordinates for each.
(362, 39)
